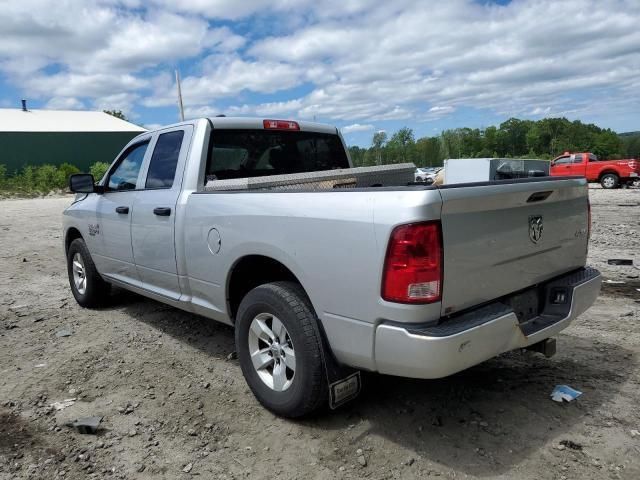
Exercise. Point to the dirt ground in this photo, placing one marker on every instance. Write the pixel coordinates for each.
(175, 404)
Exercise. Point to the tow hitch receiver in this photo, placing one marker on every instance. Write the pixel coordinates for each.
(546, 347)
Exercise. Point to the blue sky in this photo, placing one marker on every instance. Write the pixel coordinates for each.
(363, 65)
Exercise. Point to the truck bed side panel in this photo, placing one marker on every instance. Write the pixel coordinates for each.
(333, 242)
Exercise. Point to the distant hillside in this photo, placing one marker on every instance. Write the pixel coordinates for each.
(629, 134)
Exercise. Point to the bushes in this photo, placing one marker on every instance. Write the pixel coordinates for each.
(44, 178)
(98, 170)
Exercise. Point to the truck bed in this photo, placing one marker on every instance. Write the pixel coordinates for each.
(359, 177)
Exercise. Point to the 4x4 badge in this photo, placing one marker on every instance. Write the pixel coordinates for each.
(535, 228)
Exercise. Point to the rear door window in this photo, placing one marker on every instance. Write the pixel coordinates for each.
(162, 168)
(562, 160)
(255, 153)
(125, 174)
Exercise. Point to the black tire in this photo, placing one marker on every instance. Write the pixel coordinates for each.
(609, 180)
(419, 179)
(96, 292)
(308, 391)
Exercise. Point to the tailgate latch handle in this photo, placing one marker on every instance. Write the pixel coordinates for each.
(539, 196)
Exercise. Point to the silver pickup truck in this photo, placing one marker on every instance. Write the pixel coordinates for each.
(319, 284)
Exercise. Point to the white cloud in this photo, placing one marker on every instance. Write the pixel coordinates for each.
(95, 49)
(441, 109)
(464, 54)
(202, 111)
(65, 103)
(228, 75)
(541, 111)
(357, 61)
(267, 109)
(234, 10)
(356, 127)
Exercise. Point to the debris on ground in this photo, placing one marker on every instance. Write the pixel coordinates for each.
(64, 333)
(620, 261)
(63, 404)
(86, 425)
(127, 409)
(571, 444)
(187, 468)
(564, 393)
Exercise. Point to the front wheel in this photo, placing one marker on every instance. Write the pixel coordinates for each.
(280, 350)
(87, 286)
(610, 180)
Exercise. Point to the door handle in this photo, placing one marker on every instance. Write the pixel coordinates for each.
(123, 210)
(162, 211)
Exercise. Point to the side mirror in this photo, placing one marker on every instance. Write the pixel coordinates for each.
(83, 183)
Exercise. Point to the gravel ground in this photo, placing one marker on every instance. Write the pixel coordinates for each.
(174, 403)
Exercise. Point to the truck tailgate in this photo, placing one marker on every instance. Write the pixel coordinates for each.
(503, 237)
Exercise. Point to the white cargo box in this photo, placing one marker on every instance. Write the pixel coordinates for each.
(469, 170)
(359, 177)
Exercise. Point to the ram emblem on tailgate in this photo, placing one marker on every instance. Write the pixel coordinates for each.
(535, 228)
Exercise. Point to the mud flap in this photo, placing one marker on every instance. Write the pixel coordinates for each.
(344, 382)
(344, 390)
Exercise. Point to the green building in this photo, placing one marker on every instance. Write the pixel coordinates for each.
(81, 138)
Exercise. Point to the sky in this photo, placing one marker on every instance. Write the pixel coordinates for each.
(363, 65)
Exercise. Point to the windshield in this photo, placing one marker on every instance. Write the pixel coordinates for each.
(255, 153)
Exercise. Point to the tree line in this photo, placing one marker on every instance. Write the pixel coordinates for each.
(514, 138)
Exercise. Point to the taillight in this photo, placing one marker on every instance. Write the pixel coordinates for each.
(280, 125)
(413, 265)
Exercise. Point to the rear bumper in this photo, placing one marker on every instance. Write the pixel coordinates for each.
(438, 351)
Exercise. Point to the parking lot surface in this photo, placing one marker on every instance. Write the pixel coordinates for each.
(174, 403)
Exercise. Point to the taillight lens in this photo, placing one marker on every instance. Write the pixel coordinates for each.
(280, 125)
(413, 265)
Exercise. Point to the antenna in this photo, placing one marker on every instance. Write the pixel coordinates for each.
(180, 106)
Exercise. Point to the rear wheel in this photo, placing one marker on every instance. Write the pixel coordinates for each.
(87, 286)
(609, 180)
(279, 349)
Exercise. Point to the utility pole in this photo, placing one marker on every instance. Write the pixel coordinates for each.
(180, 106)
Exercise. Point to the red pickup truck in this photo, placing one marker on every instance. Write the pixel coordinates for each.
(610, 173)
